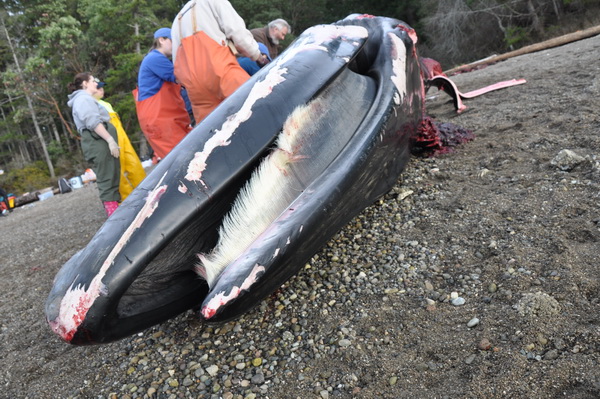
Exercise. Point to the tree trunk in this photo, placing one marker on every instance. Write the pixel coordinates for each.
(22, 148)
(66, 134)
(55, 131)
(10, 149)
(30, 105)
(136, 32)
(556, 9)
(536, 24)
(25, 157)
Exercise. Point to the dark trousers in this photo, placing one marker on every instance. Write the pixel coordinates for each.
(107, 168)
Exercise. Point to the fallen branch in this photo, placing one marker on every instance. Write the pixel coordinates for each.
(555, 42)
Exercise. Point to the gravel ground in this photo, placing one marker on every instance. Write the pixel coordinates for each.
(475, 277)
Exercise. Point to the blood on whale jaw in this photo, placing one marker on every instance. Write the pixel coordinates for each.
(77, 300)
(223, 298)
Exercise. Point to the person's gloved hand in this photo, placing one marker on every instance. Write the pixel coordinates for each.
(262, 60)
(113, 147)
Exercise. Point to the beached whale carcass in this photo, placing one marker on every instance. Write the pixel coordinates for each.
(255, 190)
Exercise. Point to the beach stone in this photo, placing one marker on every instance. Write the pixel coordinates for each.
(552, 354)
(538, 304)
(484, 344)
(258, 379)
(212, 370)
(567, 160)
(256, 362)
(473, 322)
(459, 301)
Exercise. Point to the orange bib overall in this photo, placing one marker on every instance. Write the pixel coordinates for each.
(209, 72)
(163, 118)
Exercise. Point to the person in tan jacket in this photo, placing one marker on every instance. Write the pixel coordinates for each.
(272, 35)
(203, 33)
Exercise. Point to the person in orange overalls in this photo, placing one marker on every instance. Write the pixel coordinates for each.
(160, 108)
(205, 64)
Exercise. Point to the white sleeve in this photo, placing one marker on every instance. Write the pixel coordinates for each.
(219, 20)
(175, 39)
(235, 30)
(176, 34)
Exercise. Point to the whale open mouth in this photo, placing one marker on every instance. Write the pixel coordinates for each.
(255, 189)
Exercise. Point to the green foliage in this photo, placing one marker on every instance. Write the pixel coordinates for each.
(21, 115)
(9, 132)
(56, 150)
(258, 13)
(64, 32)
(31, 178)
(120, 82)
(123, 77)
(71, 163)
(515, 35)
(10, 80)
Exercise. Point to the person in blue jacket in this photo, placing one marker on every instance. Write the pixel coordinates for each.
(160, 107)
(252, 66)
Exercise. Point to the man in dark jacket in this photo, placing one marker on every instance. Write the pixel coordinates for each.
(272, 35)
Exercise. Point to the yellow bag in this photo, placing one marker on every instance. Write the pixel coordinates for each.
(132, 171)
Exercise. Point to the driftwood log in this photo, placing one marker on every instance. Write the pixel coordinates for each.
(33, 196)
(555, 42)
(26, 198)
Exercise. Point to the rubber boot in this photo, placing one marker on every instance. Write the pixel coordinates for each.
(110, 207)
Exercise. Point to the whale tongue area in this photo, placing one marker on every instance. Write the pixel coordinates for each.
(305, 148)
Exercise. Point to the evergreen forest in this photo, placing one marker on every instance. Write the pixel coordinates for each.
(44, 43)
